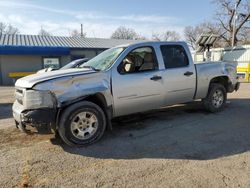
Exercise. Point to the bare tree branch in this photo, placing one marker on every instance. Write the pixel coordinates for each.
(226, 21)
(243, 22)
(166, 36)
(43, 32)
(223, 25)
(8, 29)
(126, 33)
(76, 33)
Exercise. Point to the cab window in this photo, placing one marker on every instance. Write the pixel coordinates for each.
(174, 56)
(139, 60)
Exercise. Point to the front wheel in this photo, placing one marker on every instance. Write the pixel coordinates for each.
(216, 98)
(82, 124)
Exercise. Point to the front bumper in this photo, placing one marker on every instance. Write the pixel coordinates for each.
(41, 119)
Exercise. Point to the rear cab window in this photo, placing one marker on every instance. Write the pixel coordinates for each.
(174, 56)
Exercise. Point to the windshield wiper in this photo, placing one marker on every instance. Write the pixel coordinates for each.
(91, 67)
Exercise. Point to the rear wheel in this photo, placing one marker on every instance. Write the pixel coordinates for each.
(216, 98)
(82, 124)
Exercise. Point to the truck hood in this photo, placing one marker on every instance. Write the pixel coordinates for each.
(30, 81)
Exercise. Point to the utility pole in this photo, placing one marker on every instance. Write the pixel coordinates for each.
(234, 23)
(81, 30)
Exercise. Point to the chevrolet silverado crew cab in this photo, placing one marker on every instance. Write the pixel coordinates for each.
(80, 103)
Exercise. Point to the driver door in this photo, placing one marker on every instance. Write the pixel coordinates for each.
(137, 83)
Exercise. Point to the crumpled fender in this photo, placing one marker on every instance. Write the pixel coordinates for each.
(74, 88)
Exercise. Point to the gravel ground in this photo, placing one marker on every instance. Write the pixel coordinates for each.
(180, 146)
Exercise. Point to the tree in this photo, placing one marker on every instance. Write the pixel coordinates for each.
(126, 33)
(76, 33)
(43, 32)
(244, 35)
(167, 36)
(8, 29)
(234, 18)
(140, 37)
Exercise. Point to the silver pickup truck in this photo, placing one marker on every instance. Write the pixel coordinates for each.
(80, 103)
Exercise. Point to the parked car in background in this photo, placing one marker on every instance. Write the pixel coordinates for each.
(80, 103)
(72, 64)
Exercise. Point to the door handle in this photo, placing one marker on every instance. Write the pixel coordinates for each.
(188, 73)
(155, 78)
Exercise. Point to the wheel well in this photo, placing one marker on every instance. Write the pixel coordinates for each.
(223, 80)
(98, 99)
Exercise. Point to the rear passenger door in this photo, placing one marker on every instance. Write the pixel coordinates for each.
(179, 76)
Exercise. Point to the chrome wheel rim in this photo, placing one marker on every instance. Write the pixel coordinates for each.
(218, 98)
(84, 125)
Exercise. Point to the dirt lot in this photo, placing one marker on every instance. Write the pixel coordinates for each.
(180, 146)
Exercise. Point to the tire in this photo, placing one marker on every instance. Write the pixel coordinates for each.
(82, 124)
(216, 98)
(22, 127)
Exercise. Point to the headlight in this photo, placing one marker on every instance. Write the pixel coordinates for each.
(33, 99)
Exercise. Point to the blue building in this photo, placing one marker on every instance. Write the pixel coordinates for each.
(25, 54)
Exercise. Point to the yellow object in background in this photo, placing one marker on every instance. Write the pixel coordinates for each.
(19, 74)
(243, 69)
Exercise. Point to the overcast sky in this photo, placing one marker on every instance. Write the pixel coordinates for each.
(101, 17)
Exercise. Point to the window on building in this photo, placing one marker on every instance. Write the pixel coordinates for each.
(51, 63)
(174, 56)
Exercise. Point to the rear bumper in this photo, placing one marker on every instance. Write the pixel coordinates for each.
(233, 87)
(43, 118)
(237, 87)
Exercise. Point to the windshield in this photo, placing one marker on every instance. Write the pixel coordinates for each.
(104, 60)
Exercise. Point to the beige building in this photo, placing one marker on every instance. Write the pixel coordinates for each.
(238, 54)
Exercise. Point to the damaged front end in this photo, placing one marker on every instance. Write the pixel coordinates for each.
(34, 108)
(41, 98)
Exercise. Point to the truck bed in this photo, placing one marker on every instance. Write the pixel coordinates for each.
(205, 71)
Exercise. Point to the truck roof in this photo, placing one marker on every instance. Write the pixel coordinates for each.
(152, 43)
